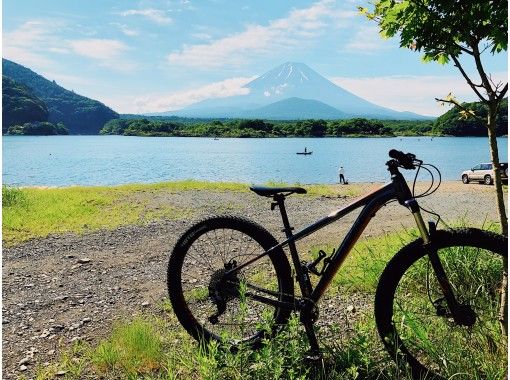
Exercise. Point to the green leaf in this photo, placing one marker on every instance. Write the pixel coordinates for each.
(443, 59)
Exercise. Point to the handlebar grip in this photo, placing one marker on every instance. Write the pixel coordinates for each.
(406, 160)
(396, 154)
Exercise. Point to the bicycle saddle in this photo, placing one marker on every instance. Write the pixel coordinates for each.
(272, 191)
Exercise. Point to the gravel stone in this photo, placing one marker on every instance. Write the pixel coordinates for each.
(68, 291)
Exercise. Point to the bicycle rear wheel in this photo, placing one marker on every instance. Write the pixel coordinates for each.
(413, 318)
(211, 305)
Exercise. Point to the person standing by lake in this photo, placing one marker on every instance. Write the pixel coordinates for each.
(341, 174)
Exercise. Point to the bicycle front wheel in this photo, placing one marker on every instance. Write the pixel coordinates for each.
(413, 318)
(229, 308)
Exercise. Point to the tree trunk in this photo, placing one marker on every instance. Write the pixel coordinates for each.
(497, 179)
(503, 309)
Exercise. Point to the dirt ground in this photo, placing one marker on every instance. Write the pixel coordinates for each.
(67, 287)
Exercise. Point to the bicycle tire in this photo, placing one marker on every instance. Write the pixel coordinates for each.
(421, 333)
(215, 243)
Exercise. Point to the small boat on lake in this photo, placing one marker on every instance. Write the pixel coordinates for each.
(305, 152)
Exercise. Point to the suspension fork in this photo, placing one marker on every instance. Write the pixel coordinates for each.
(462, 314)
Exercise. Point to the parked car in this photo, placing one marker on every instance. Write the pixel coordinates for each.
(483, 173)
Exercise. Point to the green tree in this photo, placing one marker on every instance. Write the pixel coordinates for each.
(20, 105)
(317, 127)
(445, 30)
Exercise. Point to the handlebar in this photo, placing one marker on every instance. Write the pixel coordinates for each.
(404, 160)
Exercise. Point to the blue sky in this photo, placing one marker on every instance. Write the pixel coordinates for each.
(151, 56)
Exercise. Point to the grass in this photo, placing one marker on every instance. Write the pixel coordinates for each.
(12, 196)
(135, 348)
(150, 347)
(479, 354)
(38, 212)
(41, 212)
(153, 348)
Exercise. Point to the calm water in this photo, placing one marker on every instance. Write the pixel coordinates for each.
(108, 160)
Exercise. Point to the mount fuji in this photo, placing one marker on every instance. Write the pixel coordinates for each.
(289, 92)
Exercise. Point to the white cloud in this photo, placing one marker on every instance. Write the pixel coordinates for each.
(297, 28)
(126, 30)
(108, 53)
(30, 41)
(27, 33)
(35, 42)
(26, 57)
(201, 36)
(411, 93)
(100, 49)
(155, 15)
(180, 99)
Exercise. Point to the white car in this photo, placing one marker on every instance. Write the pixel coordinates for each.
(483, 173)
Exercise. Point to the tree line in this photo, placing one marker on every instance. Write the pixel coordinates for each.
(262, 128)
(452, 123)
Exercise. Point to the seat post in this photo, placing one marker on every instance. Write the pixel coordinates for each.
(301, 272)
(280, 202)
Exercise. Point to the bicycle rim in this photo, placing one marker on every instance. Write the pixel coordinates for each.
(425, 326)
(206, 259)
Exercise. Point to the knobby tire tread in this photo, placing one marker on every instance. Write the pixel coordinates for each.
(254, 230)
(402, 261)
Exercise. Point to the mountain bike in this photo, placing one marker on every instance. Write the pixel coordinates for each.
(440, 292)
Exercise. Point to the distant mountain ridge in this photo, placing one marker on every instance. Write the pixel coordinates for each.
(318, 98)
(295, 109)
(81, 115)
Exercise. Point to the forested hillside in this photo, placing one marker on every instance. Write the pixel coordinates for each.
(20, 105)
(78, 113)
(452, 123)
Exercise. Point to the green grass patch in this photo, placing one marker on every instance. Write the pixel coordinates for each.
(362, 269)
(38, 212)
(12, 196)
(32, 212)
(135, 348)
(363, 266)
(153, 348)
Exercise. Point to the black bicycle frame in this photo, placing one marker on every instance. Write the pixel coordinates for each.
(371, 203)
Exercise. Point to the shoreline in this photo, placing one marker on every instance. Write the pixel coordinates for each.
(40, 211)
(206, 185)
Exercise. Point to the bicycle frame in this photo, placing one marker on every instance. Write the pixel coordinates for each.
(370, 203)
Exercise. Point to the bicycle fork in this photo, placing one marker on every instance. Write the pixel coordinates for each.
(462, 314)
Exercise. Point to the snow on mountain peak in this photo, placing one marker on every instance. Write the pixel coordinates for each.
(292, 80)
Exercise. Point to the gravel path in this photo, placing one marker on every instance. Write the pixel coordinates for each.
(68, 287)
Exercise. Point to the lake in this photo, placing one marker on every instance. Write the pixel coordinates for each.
(111, 160)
